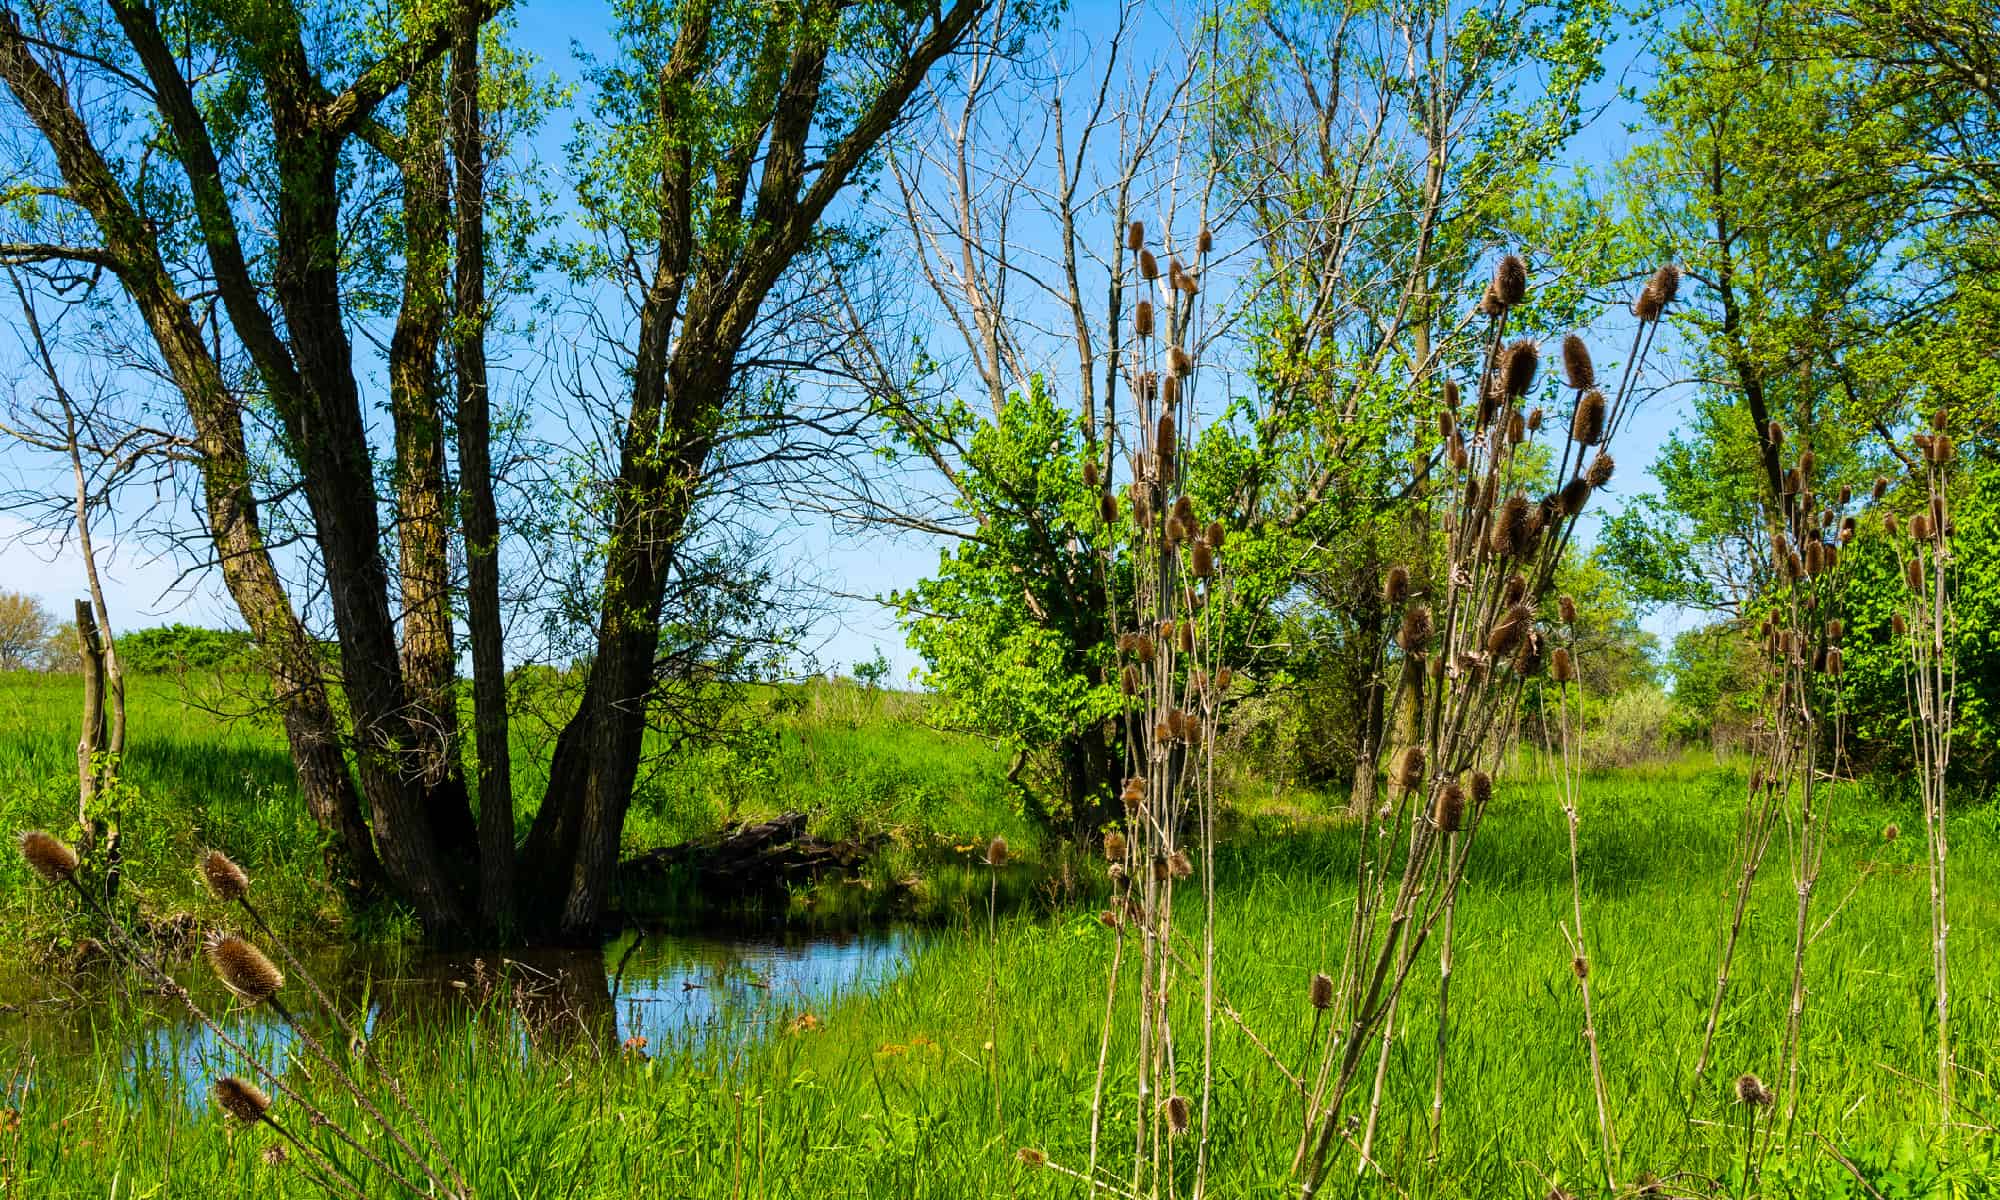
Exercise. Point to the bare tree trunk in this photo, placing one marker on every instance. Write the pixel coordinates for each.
(481, 514)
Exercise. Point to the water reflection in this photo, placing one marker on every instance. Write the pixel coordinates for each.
(645, 993)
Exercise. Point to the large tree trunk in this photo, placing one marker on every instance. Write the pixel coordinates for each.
(481, 514)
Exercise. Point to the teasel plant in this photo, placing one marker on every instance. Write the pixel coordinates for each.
(1925, 625)
(254, 980)
(1467, 647)
(1803, 745)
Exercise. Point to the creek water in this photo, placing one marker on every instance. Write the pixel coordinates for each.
(640, 994)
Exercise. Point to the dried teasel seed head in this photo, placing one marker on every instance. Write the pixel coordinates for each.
(1204, 241)
(1447, 425)
(1508, 630)
(1897, 625)
(1774, 433)
(1114, 846)
(1815, 557)
(1184, 509)
(1941, 449)
(1128, 680)
(1586, 426)
(1149, 267)
(1090, 472)
(1846, 496)
(1165, 438)
(241, 1099)
(1186, 637)
(1751, 1092)
(1534, 419)
(226, 880)
(1223, 678)
(1528, 659)
(1216, 534)
(1510, 280)
(1578, 370)
(1600, 470)
(1510, 525)
(1517, 368)
(1659, 292)
(1455, 451)
(1396, 586)
(1448, 810)
(1482, 790)
(1409, 773)
(1414, 636)
(1881, 487)
(1179, 362)
(1489, 303)
(1170, 392)
(1566, 609)
(1574, 495)
(1920, 527)
(1561, 668)
(1835, 630)
(1135, 236)
(1891, 525)
(1794, 566)
(1179, 865)
(1201, 560)
(1848, 530)
(1319, 993)
(1913, 574)
(1142, 319)
(996, 852)
(1891, 832)
(1489, 401)
(1184, 280)
(243, 969)
(48, 856)
(1806, 463)
(1516, 587)
(1937, 514)
(1107, 508)
(1031, 1158)
(1517, 429)
(1177, 1110)
(1938, 420)
(1835, 663)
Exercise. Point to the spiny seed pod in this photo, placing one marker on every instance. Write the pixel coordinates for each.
(1409, 772)
(243, 969)
(1447, 425)
(1923, 443)
(1517, 368)
(1806, 464)
(1455, 450)
(1510, 525)
(1517, 587)
(1831, 556)
(241, 1099)
(1890, 525)
(1937, 514)
(1179, 362)
(1940, 449)
(1920, 527)
(1510, 280)
(1415, 635)
(1482, 790)
(1528, 659)
(1517, 428)
(1186, 637)
(1600, 471)
(1204, 241)
(1534, 419)
(1586, 427)
(1107, 508)
(1216, 534)
(1508, 630)
(1848, 530)
(1561, 668)
(228, 881)
(1489, 303)
(1165, 437)
(1090, 472)
(1835, 630)
(1566, 609)
(1142, 319)
(1448, 811)
(1751, 1092)
(1177, 1110)
(1143, 648)
(1185, 280)
(1578, 370)
(1184, 509)
(1128, 680)
(1176, 532)
(1774, 433)
(1031, 1158)
(1815, 557)
(1319, 993)
(1114, 846)
(1659, 292)
(1489, 401)
(1223, 678)
(996, 852)
(1135, 236)
(1201, 560)
(1574, 495)
(1794, 566)
(1938, 420)
(1149, 267)
(1170, 393)
(1396, 586)
(1881, 488)
(1846, 496)
(48, 856)
(1834, 663)
(1913, 573)
(1897, 625)
(1178, 865)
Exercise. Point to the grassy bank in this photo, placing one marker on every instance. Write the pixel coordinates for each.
(928, 1086)
(206, 766)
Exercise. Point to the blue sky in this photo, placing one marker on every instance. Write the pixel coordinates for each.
(148, 588)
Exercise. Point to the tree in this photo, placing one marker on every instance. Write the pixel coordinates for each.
(723, 135)
(25, 627)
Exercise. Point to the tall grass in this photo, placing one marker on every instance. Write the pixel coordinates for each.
(884, 1093)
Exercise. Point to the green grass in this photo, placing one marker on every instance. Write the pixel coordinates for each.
(897, 1093)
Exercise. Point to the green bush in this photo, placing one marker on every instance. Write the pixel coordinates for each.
(177, 647)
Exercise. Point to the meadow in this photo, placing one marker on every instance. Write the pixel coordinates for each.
(986, 1041)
